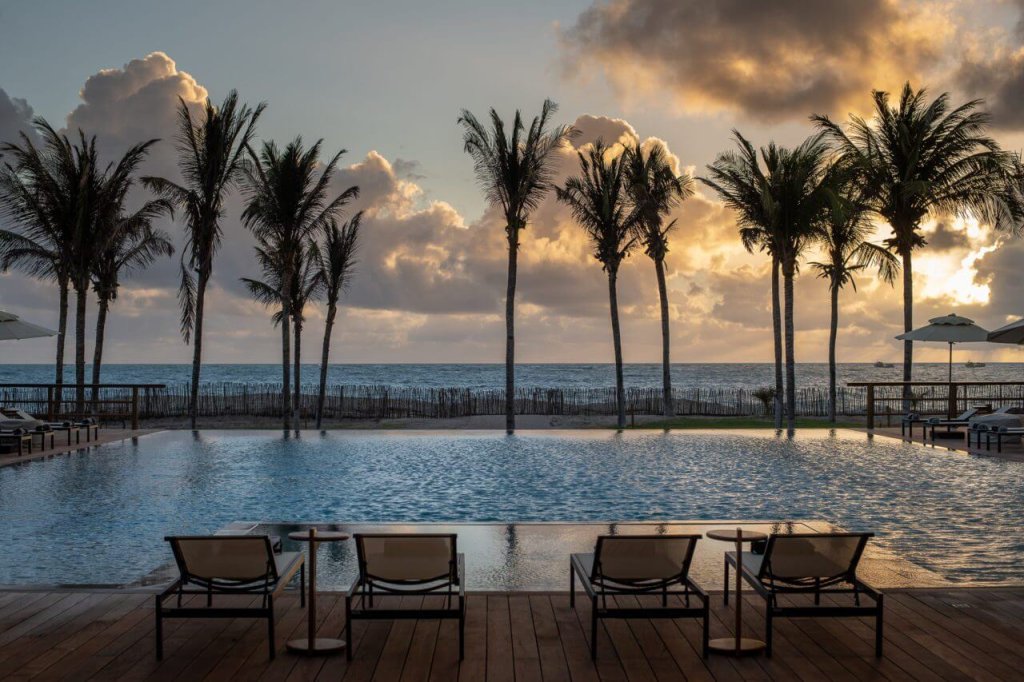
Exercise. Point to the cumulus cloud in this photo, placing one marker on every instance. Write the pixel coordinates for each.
(15, 118)
(765, 60)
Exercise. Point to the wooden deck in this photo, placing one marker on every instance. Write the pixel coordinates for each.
(930, 635)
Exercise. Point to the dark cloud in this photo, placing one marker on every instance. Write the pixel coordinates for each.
(998, 80)
(768, 60)
(946, 237)
(15, 118)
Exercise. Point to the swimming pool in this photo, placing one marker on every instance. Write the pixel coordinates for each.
(100, 516)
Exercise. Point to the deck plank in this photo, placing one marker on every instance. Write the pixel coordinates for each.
(953, 634)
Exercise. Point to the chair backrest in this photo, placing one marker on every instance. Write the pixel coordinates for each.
(224, 561)
(642, 559)
(407, 558)
(967, 414)
(812, 560)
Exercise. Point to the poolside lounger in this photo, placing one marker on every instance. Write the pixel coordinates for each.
(907, 422)
(226, 565)
(631, 565)
(400, 564)
(1000, 432)
(809, 564)
(18, 438)
(951, 424)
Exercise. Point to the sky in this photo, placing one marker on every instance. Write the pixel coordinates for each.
(387, 80)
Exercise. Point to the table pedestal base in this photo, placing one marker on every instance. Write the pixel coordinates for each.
(321, 645)
(729, 646)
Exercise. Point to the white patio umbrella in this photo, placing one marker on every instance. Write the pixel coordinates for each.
(13, 328)
(948, 329)
(1011, 333)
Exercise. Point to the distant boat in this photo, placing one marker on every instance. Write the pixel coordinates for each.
(884, 365)
(971, 364)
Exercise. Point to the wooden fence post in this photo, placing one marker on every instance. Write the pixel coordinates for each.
(135, 408)
(952, 400)
(871, 407)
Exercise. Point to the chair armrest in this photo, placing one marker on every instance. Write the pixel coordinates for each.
(462, 574)
(866, 588)
(576, 565)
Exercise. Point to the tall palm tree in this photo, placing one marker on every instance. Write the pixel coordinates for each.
(655, 190)
(130, 245)
(922, 158)
(843, 238)
(336, 263)
(599, 201)
(39, 196)
(792, 199)
(287, 204)
(744, 186)
(210, 155)
(305, 285)
(515, 171)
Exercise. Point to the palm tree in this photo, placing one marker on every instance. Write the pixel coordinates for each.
(599, 201)
(515, 173)
(336, 263)
(39, 196)
(306, 283)
(131, 244)
(843, 237)
(287, 204)
(210, 155)
(922, 158)
(655, 190)
(739, 180)
(791, 201)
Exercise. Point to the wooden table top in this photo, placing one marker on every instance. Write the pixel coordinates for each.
(733, 535)
(321, 536)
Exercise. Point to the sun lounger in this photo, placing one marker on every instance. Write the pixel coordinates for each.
(1000, 433)
(809, 564)
(633, 565)
(227, 566)
(407, 564)
(952, 425)
(18, 439)
(907, 422)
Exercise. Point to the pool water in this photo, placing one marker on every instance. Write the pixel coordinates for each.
(100, 516)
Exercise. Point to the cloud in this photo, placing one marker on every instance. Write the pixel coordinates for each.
(765, 60)
(999, 80)
(15, 118)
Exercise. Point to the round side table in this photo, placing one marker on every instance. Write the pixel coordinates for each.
(738, 645)
(313, 645)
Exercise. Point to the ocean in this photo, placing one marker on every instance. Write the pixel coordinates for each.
(489, 376)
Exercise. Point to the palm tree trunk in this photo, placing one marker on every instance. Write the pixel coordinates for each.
(908, 324)
(62, 335)
(197, 346)
(832, 333)
(81, 294)
(510, 331)
(97, 351)
(286, 355)
(620, 391)
(668, 409)
(321, 397)
(297, 393)
(787, 276)
(777, 337)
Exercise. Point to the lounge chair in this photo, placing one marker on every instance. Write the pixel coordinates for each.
(907, 424)
(952, 425)
(809, 564)
(225, 565)
(401, 564)
(631, 565)
(1000, 432)
(16, 438)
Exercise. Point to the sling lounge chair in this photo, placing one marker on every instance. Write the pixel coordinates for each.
(400, 564)
(952, 425)
(634, 565)
(809, 564)
(16, 438)
(225, 565)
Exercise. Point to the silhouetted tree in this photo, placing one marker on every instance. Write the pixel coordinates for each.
(599, 201)
(655, 190)
(515, 171)
(336, 262)
(210, 155)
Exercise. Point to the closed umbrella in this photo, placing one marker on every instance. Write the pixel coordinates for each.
(948, 329)
(1011, 333)
(13, 328)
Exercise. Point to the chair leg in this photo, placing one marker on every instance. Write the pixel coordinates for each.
(302, 585)
(768, 630)
(725, 594)
(572, 587)
(348, 626)
(159, 631)
(878, 629)
(462, 629)
(593, 629)
(270, 626)
(706, 635)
